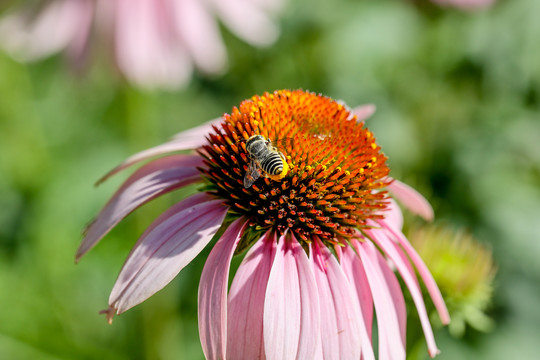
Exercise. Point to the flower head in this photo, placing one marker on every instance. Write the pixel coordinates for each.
(321, 232)
(466, 4)
(336, 168)
(156, 42)
(464, 269)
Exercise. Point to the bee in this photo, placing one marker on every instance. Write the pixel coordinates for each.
(265, 159)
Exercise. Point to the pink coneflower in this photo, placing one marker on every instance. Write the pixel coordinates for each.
(466, 4)
(156, 43)
(323, 238)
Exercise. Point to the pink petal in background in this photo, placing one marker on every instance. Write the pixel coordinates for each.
(60, 24)
(193, 23)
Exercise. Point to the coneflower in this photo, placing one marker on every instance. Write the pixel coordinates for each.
(154, 43)
(318, 240)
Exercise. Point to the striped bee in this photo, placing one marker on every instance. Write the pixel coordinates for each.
(264, 159)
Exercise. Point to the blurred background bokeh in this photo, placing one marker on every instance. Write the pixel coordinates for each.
(458, 99)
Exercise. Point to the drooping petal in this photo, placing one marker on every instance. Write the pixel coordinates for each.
(148, 182)
(343, 331)
(363, 112)
(193, 23)
(248, 22)
(291, 307)
(246, 301)
(391, 345)
(310, 317)
(353, 268)
(393, 214)
(164, 249)
(148, 52)
(186, 140)
(411, 199)
(424, 272)
(57, 25)
(396, 295)
(213, 292)
(79, 46)
(388, 246)
(272, 6)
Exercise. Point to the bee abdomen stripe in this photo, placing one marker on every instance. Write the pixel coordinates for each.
(272, 164)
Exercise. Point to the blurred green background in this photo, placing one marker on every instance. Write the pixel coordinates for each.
(458, 100)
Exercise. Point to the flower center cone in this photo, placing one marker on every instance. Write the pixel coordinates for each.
(335, 174)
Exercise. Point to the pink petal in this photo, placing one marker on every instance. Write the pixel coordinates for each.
(411, 199)
(343, 331)
(396, 295)
(148, 51)
(196, 136)
(388, 246)
(272, 6)
(393, 215)
(213, 292)
(467, 5)
(247, 21)
(363, 112)
(200, 33)
(291, 308)
(246, 301)
(391, 345)
(164, 249)
(79, 46)
(424, 272)
(353, 268)
(54, 27)
(152, 180)
(186, 140)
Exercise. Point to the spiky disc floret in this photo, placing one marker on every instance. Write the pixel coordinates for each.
(336, 171)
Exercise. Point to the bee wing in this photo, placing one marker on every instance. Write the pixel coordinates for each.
(252, 174)
(283, 143)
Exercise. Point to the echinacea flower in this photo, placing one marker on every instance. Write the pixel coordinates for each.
(466, 4)
(156, 43)
(322, 241)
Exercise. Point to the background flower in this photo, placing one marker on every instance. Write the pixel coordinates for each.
(466, 4)
(155, 44)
